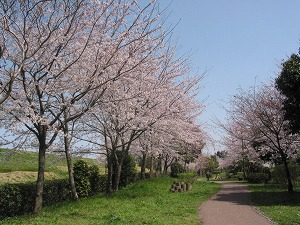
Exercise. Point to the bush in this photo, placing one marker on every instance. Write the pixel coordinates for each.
(128, 171)
(16, 199)
(176, 168)
(240, 175)
(10, 200)
(56, 191)
(97, 181)
(147, 175)
(256, 178)
(279, 176)
(82, 178)
(27, 191)
(188, 178)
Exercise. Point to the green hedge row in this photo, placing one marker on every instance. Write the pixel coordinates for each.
(16, 199)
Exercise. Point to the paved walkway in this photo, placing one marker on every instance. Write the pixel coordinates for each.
(231, 206)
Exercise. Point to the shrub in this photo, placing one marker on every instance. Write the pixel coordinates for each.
(256, 178)
(27, 191)
(240, 175)
(16, 199)
(128, 171)
(56, 191)
(279, 176)
(82, 178)
(188, 178)
(147, 175)
(176, 168)
(97, 181)
(10, 200)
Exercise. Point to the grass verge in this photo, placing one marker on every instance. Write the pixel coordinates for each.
(145, 202)
(276, 203)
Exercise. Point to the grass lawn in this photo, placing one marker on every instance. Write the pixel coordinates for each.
(21, 166)
(276, 203)
(145, 202)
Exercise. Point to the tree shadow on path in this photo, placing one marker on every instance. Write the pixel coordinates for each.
(238, 193)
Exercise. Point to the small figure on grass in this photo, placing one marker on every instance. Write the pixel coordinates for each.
(208, 175)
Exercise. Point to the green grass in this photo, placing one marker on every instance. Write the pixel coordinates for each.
(145, 202)
(13, 160)
(21, 166)
(277, 203)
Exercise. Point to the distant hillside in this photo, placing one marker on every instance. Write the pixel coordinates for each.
(21, 166)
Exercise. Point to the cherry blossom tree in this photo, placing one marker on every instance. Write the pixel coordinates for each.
(9, 40)
(136, 51)
(46, 35)
(132, 106)
(62, 55)
(201, 163)
(258, 115)
(238, 148)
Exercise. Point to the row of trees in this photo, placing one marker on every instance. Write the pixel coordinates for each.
(263, 121)
(95, 75)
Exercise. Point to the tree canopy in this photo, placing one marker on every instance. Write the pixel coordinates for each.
(288, 83)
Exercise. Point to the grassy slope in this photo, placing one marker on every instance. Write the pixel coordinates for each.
(276, 203)
(145, 202)
(21, 166)
(12, 160)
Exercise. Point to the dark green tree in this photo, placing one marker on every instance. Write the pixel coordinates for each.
(176, 168)
(128, 171)
(288, 83)
(82, 178)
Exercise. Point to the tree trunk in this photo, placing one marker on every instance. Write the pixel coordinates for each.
(143, 166)
(244, 169)
(166, 166)
(74, 194)
(67, 142)
(38, 204)
(117, 173)
(151, 166)
(160, 165)
(109, 175)
(288, 176)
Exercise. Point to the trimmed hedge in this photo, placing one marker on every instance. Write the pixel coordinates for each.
(16, 199)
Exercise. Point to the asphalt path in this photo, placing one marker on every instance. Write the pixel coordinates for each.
(231, 206)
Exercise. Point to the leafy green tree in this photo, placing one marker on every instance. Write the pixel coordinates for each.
(212, 163)
(288, 83)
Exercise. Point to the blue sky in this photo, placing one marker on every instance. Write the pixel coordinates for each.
(239, 42)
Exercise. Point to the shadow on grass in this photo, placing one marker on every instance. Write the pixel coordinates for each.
(271, 198)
